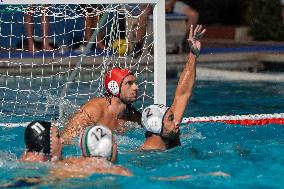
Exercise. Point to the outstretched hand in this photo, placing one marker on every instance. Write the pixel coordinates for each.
(194, 39)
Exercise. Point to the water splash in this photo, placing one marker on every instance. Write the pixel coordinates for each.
(8, 138)
(66, 107)
(132, 125)
(7, 157)
(126, 143)
(191, 133)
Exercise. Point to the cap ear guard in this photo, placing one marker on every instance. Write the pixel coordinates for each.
(96, 141)
(155, 125)
(113, 87)
(152, 118)
(114, 79)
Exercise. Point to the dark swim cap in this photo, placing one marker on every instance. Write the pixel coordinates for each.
(37, 137)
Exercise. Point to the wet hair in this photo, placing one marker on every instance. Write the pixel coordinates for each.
(37, 137)
(108, 96)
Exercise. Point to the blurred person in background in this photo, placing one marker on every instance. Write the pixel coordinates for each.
(29, 24)
(91, 20)
(172, 6)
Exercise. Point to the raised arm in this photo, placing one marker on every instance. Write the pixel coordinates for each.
(187, 77)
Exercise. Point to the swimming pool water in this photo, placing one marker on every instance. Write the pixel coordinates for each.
(252, 157)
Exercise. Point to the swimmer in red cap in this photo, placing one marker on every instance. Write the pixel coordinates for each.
(111, 110)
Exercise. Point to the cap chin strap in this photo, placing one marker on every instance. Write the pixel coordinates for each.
(120, 88)
(111, 95)
(109, 158)
(163, 122)
(50, 143)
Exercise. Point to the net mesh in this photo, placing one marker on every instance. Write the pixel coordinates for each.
(54, 57)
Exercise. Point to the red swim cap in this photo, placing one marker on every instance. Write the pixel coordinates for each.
(114, 78)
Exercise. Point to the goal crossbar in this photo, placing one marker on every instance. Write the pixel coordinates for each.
(83, 2)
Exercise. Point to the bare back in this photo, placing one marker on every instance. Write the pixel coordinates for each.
(85, 166)
(110, 112)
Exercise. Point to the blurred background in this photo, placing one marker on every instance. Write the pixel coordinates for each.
(244, 35)
(252, 27)
(262, 18)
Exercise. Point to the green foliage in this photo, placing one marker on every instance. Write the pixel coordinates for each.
(223, 12)
(264, 19)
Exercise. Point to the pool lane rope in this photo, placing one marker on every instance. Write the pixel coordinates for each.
(245, 120)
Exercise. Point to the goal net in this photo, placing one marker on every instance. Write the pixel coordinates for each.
(53, 57)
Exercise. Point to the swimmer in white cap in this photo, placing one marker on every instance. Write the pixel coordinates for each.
(43, 142)
(161, 122)
(99, 152)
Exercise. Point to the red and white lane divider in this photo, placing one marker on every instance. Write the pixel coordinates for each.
(247, 120)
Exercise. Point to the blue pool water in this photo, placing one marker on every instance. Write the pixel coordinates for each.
(251, 156)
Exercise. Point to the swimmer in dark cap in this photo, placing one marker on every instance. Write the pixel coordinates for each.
(43, 142)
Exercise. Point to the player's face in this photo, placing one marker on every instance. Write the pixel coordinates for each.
(170, 126)
(129, 89)
(57, 144)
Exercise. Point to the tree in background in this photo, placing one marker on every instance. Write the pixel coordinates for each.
(264, 19)
(219, 12)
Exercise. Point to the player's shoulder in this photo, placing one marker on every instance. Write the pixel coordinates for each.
(70, 161)
(96, 102)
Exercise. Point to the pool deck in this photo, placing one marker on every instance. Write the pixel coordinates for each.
(250, 56)
(222, 55)
(243, 61)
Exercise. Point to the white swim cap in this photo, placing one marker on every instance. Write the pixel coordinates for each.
(152, 117)
(96, 141)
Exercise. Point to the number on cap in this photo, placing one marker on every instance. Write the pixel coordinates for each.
(98, 134)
